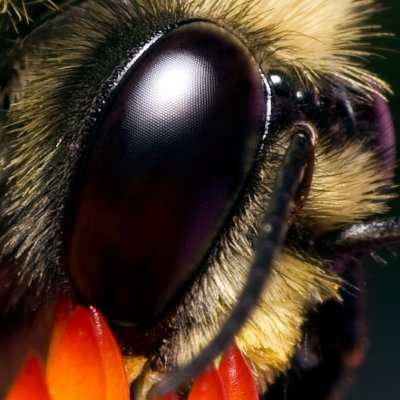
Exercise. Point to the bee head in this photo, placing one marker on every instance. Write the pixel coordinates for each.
(162, 160)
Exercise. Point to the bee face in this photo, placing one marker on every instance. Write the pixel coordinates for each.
(80, 119)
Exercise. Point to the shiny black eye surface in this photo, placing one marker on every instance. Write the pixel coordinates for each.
(167, 160)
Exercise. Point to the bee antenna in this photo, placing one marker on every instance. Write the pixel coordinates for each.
(272, 235)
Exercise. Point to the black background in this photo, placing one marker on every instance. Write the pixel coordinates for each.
(379, 376)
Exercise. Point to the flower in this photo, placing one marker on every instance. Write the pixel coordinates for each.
(85, 362)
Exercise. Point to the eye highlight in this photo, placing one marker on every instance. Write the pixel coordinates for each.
(168, 158)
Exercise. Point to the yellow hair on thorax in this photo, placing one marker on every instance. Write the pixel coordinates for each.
(314, 37)
(349, 184)
(273, 331)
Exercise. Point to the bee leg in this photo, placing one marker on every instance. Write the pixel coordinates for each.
(333, 347)
(362, 236)
(297, 161)
(335, 335)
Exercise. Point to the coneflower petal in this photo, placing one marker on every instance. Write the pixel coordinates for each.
(236, 376)
(84, 360)
(208, 386)
(171, 396)
(74, 367)
(115, 378)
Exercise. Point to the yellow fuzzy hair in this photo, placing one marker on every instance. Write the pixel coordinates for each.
(348, 185)
(273, 331)
(314, 37)
(17, 11)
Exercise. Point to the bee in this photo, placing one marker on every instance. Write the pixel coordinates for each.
(202, 172)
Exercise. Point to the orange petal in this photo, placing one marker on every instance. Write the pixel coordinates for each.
(237, 378)
(30, 383)
(74, 367)
(84, 359)
(208, 386)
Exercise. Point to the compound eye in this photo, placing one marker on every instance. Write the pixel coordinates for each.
(163, 169)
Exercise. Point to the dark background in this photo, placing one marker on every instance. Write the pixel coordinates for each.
(379, 377)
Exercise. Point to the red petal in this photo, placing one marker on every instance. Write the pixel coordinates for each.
(166, 397)
(30, 383)
(237, 378)
(208, 386)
